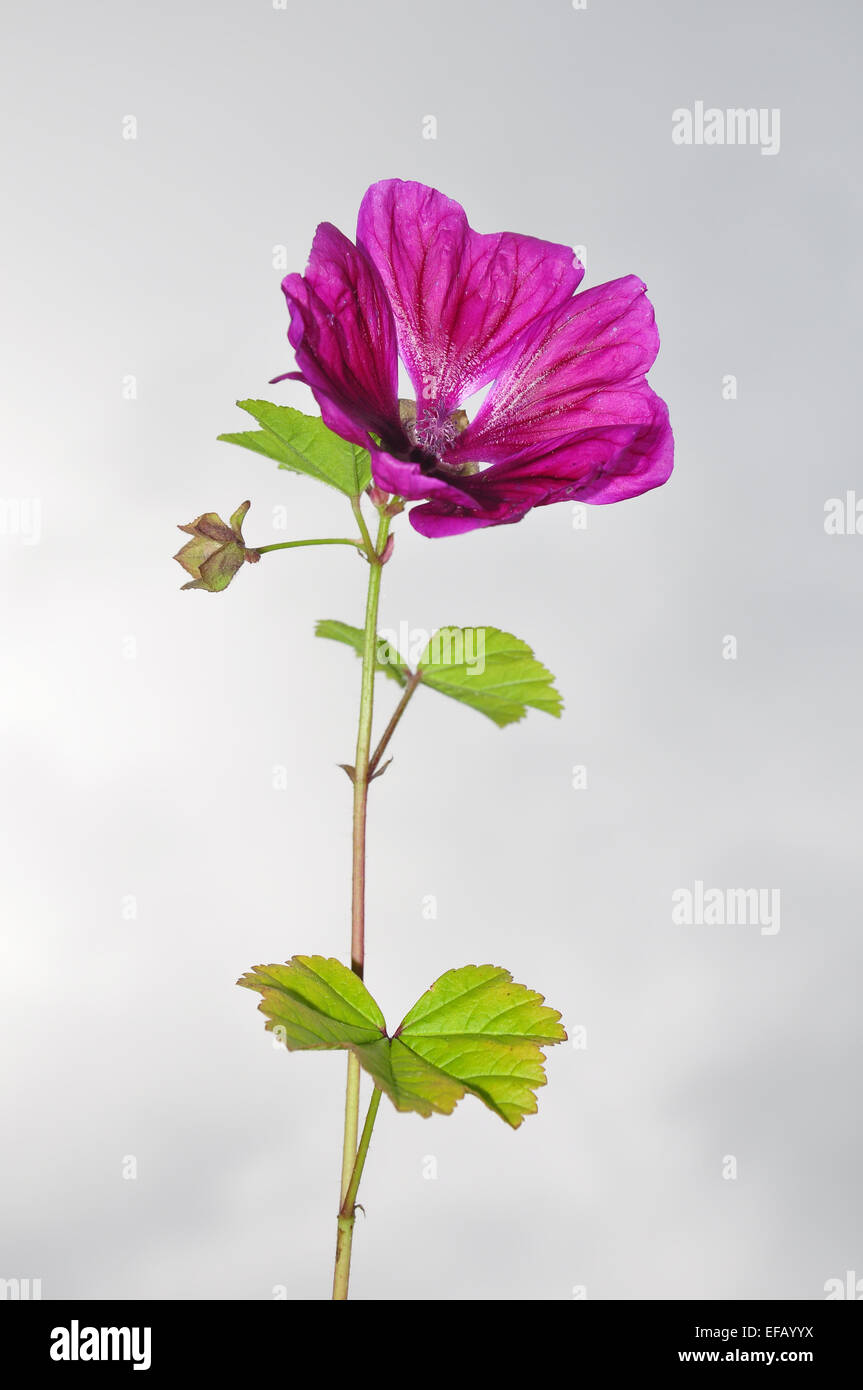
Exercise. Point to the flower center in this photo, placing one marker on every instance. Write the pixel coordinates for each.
(433, 431)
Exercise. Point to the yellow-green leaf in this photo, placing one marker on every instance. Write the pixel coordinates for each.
(474, 1031)
(388, 659)
(304, 444)
(491, 671)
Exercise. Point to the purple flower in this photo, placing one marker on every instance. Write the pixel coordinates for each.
(569, 414)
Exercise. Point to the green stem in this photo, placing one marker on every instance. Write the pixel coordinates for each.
(413, 681)
(352, 1113)
(358, 889)
(347, 1213)
(290, 545)
(361, 761)
(356, 507)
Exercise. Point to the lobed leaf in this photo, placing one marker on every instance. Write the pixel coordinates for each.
(491, 671)
(315, 1002)
(304, 444)
(388, 659)
(474, 1031)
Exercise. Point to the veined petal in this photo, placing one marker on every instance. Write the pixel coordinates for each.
(344, 339)
(406, 478)
(566, 373)
(605, 463)
(646, 462)
(434, 523)
(460, 299)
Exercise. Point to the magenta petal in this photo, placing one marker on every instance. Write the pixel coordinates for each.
(288, 376)
(460, 299)
(434, 523)
(644, 463)
(606, 463)
(406, 479)
(344, 338)
(566, 373)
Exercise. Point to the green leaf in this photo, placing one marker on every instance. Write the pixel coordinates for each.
(316, 1003)
(474, 1031)
(388, 659)
(304, 444)
(260, 442)
(489, 670)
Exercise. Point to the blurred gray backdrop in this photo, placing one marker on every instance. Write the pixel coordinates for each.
(172, 808)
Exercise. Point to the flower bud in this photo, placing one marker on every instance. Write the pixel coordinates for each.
(216, 550)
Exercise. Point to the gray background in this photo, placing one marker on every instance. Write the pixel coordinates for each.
(145, 768)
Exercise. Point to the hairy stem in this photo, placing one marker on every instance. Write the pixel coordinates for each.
(413, 681)
(356, 507)
(352, 1112)
(361, 762)
(291, 545)
(358, 892)
(347, 1213)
